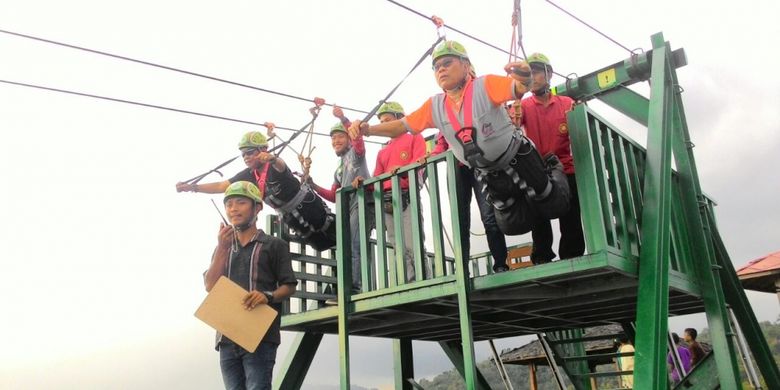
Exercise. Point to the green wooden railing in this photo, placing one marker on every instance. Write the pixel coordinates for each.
(383, 267)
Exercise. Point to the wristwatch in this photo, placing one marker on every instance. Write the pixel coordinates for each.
(269, 295)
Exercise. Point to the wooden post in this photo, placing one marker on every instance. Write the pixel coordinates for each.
(532, 376)
(777, 288)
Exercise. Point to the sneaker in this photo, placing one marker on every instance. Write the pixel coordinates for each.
(331, 302)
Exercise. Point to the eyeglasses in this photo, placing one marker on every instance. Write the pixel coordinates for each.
(249, 152)
(443, 63)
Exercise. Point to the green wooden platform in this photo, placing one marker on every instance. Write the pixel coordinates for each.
(653, 251)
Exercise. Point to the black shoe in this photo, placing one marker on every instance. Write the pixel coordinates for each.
(500, 268)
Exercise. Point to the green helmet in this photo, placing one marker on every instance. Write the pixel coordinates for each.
(338, 127)
(539, 58)
(245, 189)
(394, 108)
(449, 48)
(253, 139)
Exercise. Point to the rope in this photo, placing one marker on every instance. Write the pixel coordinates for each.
(149, 105)
(306, 160)
(392, 91)
(166, 67)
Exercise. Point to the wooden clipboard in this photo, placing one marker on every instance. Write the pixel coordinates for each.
(222, 310)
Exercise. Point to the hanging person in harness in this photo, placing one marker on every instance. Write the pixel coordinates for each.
(470, 115)
(300, 208)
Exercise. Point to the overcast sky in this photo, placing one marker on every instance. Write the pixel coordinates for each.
(102, 258)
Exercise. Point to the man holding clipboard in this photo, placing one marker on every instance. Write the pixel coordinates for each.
(260, 264)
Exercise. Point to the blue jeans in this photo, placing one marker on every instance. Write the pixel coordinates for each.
(495, 237)
(242, 370)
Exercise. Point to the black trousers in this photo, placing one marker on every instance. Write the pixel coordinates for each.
(572, 242)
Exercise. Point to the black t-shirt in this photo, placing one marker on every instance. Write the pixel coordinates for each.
(282, 185)
(274, 269)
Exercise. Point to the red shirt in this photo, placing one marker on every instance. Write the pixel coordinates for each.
(402, 150)
(547, 127)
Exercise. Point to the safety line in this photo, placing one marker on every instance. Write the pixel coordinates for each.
(182, 111)
(201, 75)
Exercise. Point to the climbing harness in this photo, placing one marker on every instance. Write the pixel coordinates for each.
(465, 135)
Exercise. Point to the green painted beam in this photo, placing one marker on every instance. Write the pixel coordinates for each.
(344, 275)
(618, 75)
(653, 292)
(295, 366)
(735, 296)
(403, 362)
(628, 102)
(454, 352)
(701, 245)
(462, 280)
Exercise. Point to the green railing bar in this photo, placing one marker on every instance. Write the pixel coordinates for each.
(365, 264)
(436, 216)
(344, 275)
(613, 161)
(399, 244)
(381, 242)
(463, 283)
(295, 366)
(403, 363)
(418, 236)
(590, 203)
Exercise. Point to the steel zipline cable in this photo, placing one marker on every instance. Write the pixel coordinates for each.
(505, 51)
(187, 72)
(159, 107)
(461, 32)
(589, 26)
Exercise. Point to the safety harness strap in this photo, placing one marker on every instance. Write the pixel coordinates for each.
(260, 177)
(464, 135)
